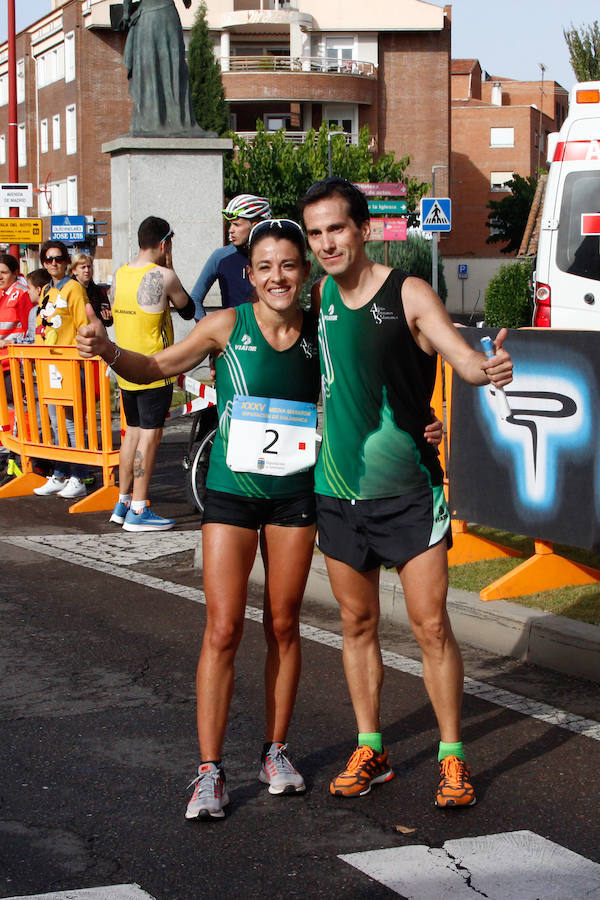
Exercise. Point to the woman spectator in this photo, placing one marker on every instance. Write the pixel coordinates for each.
(82, 268)
(15, 306)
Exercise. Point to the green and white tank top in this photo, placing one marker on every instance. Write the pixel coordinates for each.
(250, 366)
(376, 385)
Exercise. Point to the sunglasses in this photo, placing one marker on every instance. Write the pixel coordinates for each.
(170, 233)
(273, 224)
(54, 259)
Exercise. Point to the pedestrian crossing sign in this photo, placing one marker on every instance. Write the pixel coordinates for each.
(436, 214)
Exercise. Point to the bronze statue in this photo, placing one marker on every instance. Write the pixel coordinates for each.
(154, 56)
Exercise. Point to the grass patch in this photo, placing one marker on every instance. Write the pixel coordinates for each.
(581, 603)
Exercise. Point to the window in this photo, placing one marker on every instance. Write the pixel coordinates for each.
(43, 206)
(339, 53)
(22, 144)
(50, 66)
(44, 136)
(578, 253)
(502, 137)
(71, 129)
(72, 195)
(20, 81)
(2, 150)
(499, 181)
(56, 132)
(70, 56)
(3, 90)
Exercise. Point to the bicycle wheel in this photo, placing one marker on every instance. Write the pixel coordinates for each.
(196, 474)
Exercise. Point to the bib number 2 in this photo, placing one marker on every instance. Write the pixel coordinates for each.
(271, 437)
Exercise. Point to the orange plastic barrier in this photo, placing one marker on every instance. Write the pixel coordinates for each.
(57, 372)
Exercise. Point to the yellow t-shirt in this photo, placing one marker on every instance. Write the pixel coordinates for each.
(136, 328)
(63, 308)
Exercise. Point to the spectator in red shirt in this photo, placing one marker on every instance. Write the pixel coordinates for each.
(15, 306)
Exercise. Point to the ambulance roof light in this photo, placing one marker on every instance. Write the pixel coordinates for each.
(589, 95)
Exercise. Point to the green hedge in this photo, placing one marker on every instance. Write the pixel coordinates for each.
(509, 296)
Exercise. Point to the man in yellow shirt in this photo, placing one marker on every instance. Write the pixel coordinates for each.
(141, 294)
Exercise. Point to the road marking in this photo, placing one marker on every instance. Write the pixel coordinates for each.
(498, 866)
(88, 553)
(110, 892)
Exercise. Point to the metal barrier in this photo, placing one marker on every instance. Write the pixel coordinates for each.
(56, 376)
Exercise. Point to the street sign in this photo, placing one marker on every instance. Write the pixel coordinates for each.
(20, 231)
(69, 229)
(388, 230)
(16, 195)
(382, 189)
(395, 207)
(436, 214)
(463, 270)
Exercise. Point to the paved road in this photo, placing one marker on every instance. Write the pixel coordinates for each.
(100, 633)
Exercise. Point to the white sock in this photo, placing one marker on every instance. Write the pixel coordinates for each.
(125, 498)
(137, 505)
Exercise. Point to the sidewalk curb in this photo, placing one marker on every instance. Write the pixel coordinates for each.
(530, 635)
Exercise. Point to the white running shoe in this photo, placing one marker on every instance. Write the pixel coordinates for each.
(209, 795)
(73, 488)
(53, 486)
(278, 772)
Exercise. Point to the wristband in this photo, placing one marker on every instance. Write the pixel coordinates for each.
(109, 368)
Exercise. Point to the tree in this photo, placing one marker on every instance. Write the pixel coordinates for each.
(510, 214)
(271, 166)
(509, 296)
(206, 85)
(584, 51)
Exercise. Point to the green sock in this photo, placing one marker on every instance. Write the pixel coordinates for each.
(374, 740)
(451, 750)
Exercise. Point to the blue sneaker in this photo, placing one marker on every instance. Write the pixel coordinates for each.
(119, 513)
(146, 520)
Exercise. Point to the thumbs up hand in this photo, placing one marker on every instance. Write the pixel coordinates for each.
(92, 339)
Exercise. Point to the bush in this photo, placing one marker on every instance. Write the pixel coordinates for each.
(509, 296)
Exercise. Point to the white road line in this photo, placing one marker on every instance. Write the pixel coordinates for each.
(110, 892)
(87, 554)
(516, 864)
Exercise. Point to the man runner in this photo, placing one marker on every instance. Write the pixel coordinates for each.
(230, 264)
(380, 498)
(141, 293)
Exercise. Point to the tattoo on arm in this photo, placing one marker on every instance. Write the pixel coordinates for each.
(151, 289)
(138, 465)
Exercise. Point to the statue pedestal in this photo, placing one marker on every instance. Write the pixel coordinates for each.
(179, 179)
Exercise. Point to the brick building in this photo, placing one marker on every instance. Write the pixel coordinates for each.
(499, 127)
(291, 63)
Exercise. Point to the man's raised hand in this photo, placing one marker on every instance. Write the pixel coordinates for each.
(92, 339)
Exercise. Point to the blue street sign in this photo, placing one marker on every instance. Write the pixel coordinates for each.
(463, 270)
(436, 214)
(68, 229)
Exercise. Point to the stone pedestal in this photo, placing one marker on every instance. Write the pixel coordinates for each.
(179, 179)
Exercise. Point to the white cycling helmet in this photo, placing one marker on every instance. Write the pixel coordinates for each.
(247, 206)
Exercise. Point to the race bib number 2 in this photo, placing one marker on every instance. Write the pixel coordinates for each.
(271, 437)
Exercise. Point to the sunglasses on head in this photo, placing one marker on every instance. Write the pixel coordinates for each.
(170, 233)
(272, 225)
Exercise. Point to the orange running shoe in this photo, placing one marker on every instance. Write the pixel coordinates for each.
(365, 767)
(455, 788)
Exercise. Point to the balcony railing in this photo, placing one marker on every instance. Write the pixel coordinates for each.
(298, 137)
(269, 63)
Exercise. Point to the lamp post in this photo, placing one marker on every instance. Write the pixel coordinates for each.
(542, 69)
(435, 236)
(13, 144)
(330, 134)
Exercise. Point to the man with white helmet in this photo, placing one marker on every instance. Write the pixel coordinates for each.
(229, 264)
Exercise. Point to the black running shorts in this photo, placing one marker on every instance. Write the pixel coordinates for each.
(149, 408)
(366, 534)
(256, 512)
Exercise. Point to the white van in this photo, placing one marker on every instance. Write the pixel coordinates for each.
(567, 276)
